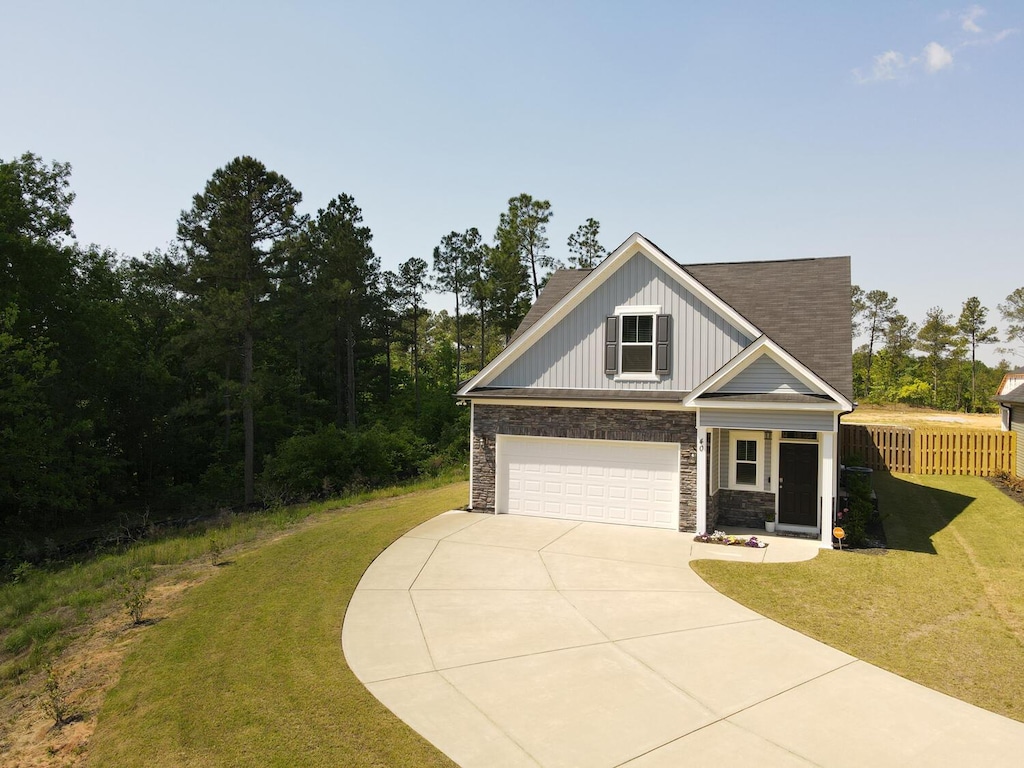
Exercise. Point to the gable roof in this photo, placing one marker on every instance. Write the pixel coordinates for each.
(1013, 397)
(559, 284)
(803, 305)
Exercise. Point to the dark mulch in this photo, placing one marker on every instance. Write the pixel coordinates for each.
(1011, 486)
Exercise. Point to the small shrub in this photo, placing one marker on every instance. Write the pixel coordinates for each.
(859, 509)
(55, 701)
(216, 550)
(134, 594)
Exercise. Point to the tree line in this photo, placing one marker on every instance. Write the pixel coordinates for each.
(265, 356)
(933, 363)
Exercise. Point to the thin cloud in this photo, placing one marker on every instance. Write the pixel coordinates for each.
(935, 57)
(968, 19)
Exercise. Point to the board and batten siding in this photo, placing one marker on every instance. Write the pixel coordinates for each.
(571, 354)
(797, 421)
(765, 375)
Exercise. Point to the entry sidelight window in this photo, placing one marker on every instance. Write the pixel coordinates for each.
(746, 460)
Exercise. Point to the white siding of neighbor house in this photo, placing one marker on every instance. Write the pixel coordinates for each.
(1017, 425)
(571, 354)
(797, 421)
(765, 375)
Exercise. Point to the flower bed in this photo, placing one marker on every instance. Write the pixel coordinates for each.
(730, 541)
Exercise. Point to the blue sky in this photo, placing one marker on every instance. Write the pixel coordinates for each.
(722, 131)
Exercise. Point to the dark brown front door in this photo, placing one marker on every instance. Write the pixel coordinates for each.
(798, 484)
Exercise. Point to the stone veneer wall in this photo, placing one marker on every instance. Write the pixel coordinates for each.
(586, 423)
(712, 512)
(744, 508)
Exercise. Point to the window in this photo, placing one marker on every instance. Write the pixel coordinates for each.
(637, 343)
(746, 461)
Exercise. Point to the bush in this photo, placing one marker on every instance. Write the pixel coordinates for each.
(860, 509)
(330, 461)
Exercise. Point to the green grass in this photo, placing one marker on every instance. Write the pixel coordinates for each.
(41, 612)
(249, 669)
(944, 606)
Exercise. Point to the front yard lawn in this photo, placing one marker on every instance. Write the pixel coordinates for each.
(944, 606)
(248, 670)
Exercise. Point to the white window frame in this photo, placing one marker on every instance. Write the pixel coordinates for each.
(638, 310)
(757, 437)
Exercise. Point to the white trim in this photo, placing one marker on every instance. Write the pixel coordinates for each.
(765, 346)
(633, 245)
(748, 405)
(735, 435)
(472, 438)
(638, 309)
(703, 455)
(828, 461)
(645, 405)
(637, 376)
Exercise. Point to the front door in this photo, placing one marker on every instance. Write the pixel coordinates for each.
(798, 484)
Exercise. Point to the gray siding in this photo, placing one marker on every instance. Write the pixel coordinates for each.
(571, 355)
(765, 375)
(800, 421)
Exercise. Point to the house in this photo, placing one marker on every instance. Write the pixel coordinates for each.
(644, 392)
(1011, 380)
(1011, 411)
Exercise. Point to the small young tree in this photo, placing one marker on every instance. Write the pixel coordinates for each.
(55, 699)
(134, 594)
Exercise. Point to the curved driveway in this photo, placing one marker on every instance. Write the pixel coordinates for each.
(519, 641)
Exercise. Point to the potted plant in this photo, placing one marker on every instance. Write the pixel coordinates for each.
(769, 521)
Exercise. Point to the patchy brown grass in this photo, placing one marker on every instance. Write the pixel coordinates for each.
(915, 416)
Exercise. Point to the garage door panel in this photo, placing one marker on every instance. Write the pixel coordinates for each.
(598, 480)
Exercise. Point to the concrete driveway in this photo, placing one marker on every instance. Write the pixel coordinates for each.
(518, 641)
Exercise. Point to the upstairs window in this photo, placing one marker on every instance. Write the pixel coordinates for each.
(637, 343)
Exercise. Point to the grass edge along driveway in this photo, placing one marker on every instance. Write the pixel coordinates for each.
(249, 669)
(944, 606)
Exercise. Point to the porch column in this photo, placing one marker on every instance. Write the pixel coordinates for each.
(828, 486)
(702, 479)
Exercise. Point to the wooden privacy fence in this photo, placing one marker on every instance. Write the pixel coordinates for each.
(982, 452)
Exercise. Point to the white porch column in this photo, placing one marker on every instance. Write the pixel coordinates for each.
(829, 444)
(702, 479)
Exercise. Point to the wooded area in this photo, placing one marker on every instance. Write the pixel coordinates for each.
(266, 357)
(934, 363)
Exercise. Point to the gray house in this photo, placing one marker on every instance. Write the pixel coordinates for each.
(645, 392)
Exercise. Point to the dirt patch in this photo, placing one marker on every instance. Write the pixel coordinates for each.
(904, 416)
(90, 666)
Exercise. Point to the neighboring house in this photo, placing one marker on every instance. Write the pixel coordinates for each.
(1011, 380)
(1011, 409)
(645, 392)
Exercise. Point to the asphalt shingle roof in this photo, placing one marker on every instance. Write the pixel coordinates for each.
(803, 305)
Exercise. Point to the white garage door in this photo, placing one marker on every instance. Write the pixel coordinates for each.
(604, 481)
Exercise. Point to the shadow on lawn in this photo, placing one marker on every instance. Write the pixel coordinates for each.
(912, 514)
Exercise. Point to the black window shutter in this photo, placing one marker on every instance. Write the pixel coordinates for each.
(611, 345)
(662, 338)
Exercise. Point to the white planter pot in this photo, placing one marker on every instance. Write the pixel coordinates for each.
(769, 526)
